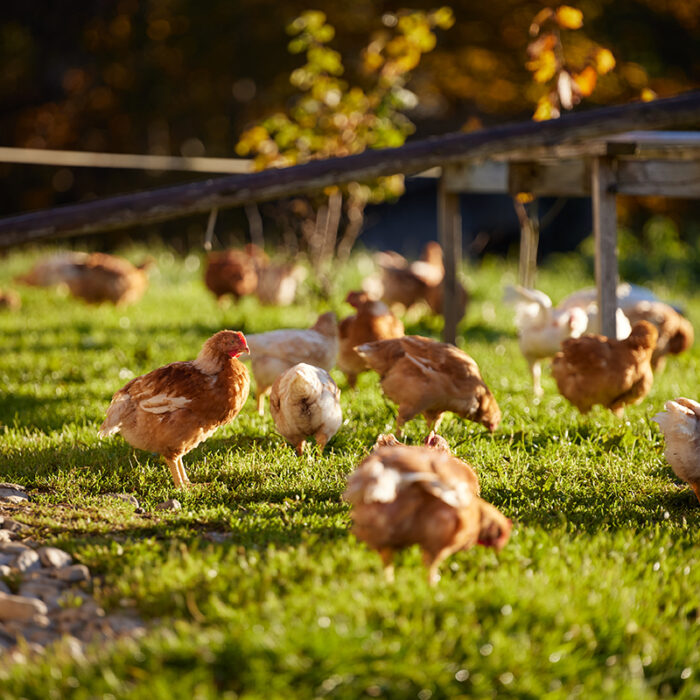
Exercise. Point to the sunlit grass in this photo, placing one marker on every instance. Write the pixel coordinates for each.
(256, 588)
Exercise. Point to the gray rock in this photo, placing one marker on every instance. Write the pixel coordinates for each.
(5, 570)
(28, 561)
(5, 535)
(7, 559)
(126, 497)
(13, 525)
(48, 593)
(13, 548)
(13, 493)
(4, 588)
(54, 558)
(16, 607)
(73, 574)
(170, 504)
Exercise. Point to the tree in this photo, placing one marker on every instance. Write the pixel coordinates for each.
(330, 117)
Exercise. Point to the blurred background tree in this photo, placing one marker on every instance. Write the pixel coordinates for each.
(181, 77)
(329, 117)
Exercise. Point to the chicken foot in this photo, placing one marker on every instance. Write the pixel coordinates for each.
(177, 470)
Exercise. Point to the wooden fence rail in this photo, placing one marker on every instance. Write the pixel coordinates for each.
(234, 190)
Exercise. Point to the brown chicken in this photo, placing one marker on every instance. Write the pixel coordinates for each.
(428, 377)
(172, 409)
(675, 331)
(681, 428)
(405, 284)
(594, 369)
(234, 272)
(435, 442)
(93, 277)
(402, 495)
(304, 403)
(273, 352)
(373, 321)
(277, 283)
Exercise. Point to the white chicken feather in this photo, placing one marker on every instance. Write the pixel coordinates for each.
(680, 425)
(305, 402)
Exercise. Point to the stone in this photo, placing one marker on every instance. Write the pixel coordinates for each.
(13, 493)
(13, 548)
(5, 535)
(126, 497)
(48, 593)
(13, 525)
(6, 559)
(73, 573)
(5, 570)
(16, 607)
(4, 588)
(27, 561)
(54, 558)
(170, 504)
(14, 499)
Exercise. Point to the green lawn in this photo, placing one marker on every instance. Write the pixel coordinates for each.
(597, 594)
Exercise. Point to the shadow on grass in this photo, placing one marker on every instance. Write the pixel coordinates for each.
(41, 413)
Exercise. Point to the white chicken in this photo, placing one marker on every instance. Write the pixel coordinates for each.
(273, 352)
(305, 402)
(680, 425)
(542, 328)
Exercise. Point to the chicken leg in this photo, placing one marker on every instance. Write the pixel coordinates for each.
(177, 469)
(387, 555)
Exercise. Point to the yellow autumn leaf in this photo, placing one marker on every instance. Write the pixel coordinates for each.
(568, 17)
(545, 109)
(648, 95)
(544, 66)
(604, 61)
(586, 80)
(537, 21)
(525, 197)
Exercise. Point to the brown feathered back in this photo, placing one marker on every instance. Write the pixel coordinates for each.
(594, 369)
(429, 377)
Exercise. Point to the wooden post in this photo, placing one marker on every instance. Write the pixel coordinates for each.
(603, 188)
(529, 241)
(450, 238)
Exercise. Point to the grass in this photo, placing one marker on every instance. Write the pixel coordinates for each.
(256, 589)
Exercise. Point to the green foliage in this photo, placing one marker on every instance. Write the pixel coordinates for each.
(329, 117)
(657, 252)
(257, 589)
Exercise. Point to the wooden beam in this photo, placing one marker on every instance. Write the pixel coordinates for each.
(450, 238)
(529, 241)
(666, 178)
(234, 190)
(133, 161)
(483, 177)
(605, 232)
(566, 178)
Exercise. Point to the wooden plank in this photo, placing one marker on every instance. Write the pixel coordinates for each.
(450, 238)
(529, 241)
(234, 190)
(603, 189)
(133, 161)
(483, 177)
(680, 178)
(566, 178)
